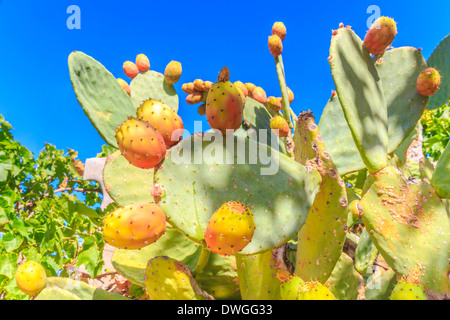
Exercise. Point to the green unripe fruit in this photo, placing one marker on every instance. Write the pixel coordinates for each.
(31, 278)
(290, 288)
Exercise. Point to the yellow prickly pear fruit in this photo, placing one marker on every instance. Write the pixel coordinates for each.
(188, 87)
(173, 71)
(428, 82)
(199, 85)
(290, 95)
(230, 229)
(279, 126)
(275, 45)
(130, 69)
(259, 95)
(134, 226)
(275, 104)
(142, 62)
(208, 85)
(241, 86)
(124, 85)
(250, 87)
(279, 29)
(31, 278)
(380, 35)
(315, 291)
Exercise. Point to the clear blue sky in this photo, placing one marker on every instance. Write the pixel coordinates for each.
(36, 96)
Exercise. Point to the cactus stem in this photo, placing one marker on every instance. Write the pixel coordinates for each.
(202, 261)
(284, 93)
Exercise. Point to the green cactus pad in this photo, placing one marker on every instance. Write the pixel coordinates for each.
(380, 285)
(168, 279)
(151, 85)
(257, 115)
(365, 253)
(440, 60)
(408, 223)
(257, 277)
(441, 175)
(126, 183)
(338, 138)
(399, 69)
(408, 291)
(322, 236)
(132, 263)
(344, 280)
(197, 186)
(360, 93)
(102, 98)
(68, 289)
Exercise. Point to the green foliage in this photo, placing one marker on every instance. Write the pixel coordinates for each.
(47, 212)
(436, 131)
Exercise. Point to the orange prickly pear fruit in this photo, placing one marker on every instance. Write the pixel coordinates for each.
(134, 226)
(124, 85)
(290, 95)
(279, 29)
(279, 126)
(275, 45)
(188, 87)
(31, 278)
(164, 119)
(142, 62)
(199, 85)
(275, 104)
(130, 69)
(241, 86)
(207, 85)
(230, 229)
(380, 35)
(428, 82)
(173, 71)
(224, 105)
(259, 95)
(140, 143)
(250, 87)
(195, 97)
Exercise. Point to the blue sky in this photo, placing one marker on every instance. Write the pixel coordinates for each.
(36, 95)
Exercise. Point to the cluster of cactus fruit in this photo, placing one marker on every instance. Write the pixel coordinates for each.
(215, 229)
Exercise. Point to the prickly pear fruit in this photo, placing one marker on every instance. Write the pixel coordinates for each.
(315, 291)
(130, 69)
(279, 29)
(241, 86)
(275, 45)
(290, 285)
(140, 143)
(202, 109)
(230, 229)
(224, 105)
(31, 278)
(207, 85)
(408, 291)
(279, 126)
(164, 119)
(188, 87)
(290, 95)
(124, 85)
(428, 82)
(142, 62)
(259, 95)
(250, 86)
(199, 85)
(195, 97)
(173, 71)
(380, 35)
(134, 226)
(275, 104)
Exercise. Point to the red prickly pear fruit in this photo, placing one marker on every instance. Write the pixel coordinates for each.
(134, 226)
(241, 86)
(130, 69)
(259, 95)
(279, 29)
(250, 87)
(275, 45)
(230, 229)
(279, 126)
(31, 278)
(202, 109)
(164, 119)
(140, 143)
(428, 82)
(194, 98)
(380, 35)
(173, 71)
(224, 105)
(275, 104)
(124, 86)
(199, 85)
(142, 62)
(208, 85)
